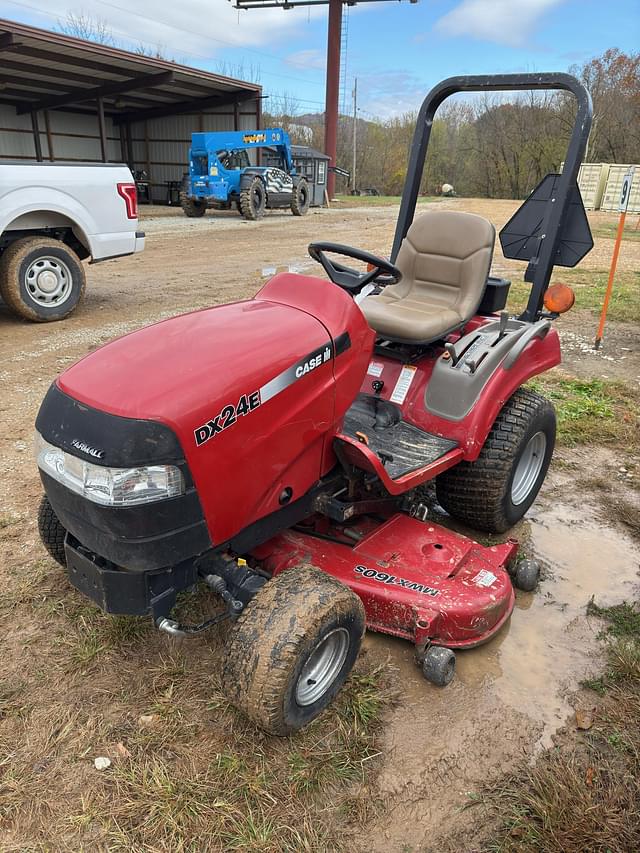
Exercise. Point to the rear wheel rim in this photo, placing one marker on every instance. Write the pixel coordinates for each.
(322, 667)
(48, 281)
(528, 468)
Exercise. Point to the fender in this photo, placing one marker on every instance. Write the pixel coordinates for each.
(66, 210)
(471, 430)
(248, 175)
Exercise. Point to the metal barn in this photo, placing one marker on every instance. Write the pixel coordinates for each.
(63, 98)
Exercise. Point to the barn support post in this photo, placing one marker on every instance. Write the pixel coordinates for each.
(123, 144)
(236, 116)
(333, 89)
(36, 136)
(130, 160)
(47, 127)
(102, 128)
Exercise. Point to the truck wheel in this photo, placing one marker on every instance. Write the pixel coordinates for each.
(300, 199)
(51, 532)
(41, 279)
(292, 649)
(192, 208)
(496, 490)
(253, 200)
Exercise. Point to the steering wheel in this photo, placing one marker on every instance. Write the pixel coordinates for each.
(347, 278)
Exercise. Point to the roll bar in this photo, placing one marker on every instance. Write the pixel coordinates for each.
(542, 266)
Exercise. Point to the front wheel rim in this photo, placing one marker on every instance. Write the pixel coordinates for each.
(48, 281)
(322, 667)
(528, 468)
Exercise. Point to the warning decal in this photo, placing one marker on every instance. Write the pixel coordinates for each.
(403, 384)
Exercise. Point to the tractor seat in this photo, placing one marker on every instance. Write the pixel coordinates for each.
(445, 260)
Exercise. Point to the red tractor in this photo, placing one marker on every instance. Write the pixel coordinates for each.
(279, 448)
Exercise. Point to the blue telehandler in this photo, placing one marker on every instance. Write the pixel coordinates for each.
(220, 174)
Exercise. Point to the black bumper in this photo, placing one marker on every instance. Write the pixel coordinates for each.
(142, 538)
(121, 592)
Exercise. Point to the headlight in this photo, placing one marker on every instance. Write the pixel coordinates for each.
(109, 486)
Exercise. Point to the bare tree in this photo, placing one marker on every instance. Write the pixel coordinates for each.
(89, 27)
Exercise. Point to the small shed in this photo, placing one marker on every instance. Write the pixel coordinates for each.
(314, 165)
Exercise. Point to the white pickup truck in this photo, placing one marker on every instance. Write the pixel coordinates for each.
(53, 216)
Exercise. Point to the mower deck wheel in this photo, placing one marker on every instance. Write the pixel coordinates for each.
(439, 665)
(51, 532)
(292, 649)
(526, 575)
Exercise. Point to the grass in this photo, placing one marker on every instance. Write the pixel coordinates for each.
(608, 230)
(589, 287)
(592, 411)
(586, 797)
(346, 200)
(188, 772)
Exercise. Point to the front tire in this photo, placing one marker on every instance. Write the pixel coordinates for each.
(300, 199)
(51, 531)
(253, 200)
(41, 279)
(292, 649)
(192, 208)
(495, 491)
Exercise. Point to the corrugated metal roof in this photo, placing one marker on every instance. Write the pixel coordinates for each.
(40, 69)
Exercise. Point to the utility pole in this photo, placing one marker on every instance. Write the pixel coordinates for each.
(334, 32)
(333, 65)
(355, 132)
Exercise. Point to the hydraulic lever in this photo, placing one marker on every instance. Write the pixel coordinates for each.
(453, 354)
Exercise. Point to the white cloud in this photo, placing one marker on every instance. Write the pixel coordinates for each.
(507, 22)
(390, 93)
(307, 59)
(194, 30)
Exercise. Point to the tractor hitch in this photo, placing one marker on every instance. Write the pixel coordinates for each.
(234, 609)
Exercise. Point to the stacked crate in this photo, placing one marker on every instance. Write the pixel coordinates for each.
(592, 180)
(611, 197)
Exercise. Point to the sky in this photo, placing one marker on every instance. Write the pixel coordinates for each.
(397, 50)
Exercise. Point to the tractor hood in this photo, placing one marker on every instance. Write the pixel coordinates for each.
(177, 371)
(244, 397)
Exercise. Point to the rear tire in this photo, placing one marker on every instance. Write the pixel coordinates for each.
(292, 649)
(51, 531)
(495, 491)
(41, 279)
(253, 200)
(193, 209)
(300, 199)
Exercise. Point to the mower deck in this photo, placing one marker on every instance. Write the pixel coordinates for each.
(417, 580)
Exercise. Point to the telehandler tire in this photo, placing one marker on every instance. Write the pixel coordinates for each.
(41, 279)
(300, 199)
(253, 200)
(51, 532)
(292, 649)
(192, 209)
(495, 491)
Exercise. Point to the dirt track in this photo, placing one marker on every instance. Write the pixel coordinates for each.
(511, 695)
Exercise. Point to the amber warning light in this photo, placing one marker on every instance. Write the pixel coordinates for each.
(559, 298)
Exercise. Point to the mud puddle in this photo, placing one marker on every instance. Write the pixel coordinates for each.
(509, 696)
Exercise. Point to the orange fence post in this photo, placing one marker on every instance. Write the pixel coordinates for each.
(612, 272)
(625, 192)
